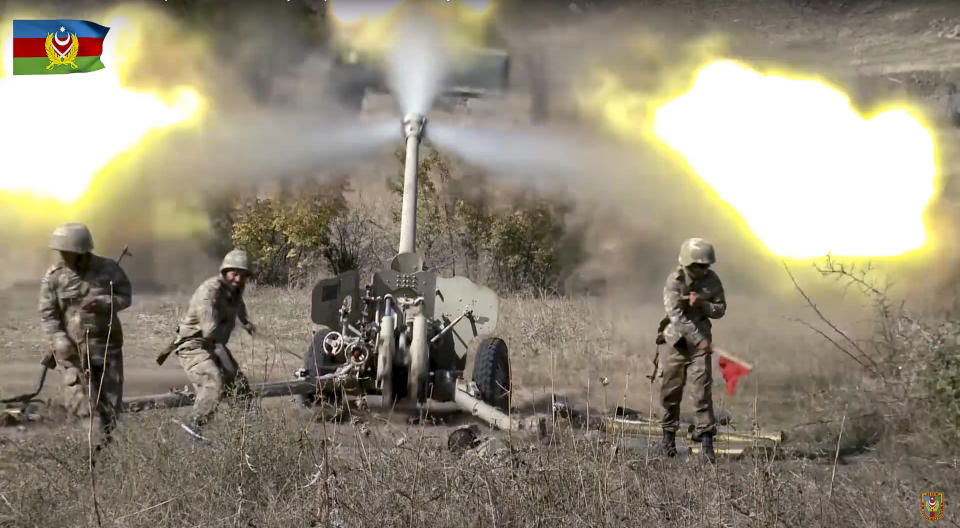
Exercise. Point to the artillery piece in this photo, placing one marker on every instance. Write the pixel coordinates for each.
(409, 333)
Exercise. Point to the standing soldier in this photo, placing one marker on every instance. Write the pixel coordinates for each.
(692, 296)
(80, 297)
(202, 337)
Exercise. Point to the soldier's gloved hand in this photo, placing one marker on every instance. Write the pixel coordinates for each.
(98, 304)
(64, 349)
(250, 328)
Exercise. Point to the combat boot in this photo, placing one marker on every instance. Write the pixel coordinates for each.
(669, 444)
(706, 444)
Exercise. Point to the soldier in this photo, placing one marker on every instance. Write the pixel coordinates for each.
(202, 337)
(692, 296)
(80, 297)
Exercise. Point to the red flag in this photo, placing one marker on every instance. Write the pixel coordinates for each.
(732, 368)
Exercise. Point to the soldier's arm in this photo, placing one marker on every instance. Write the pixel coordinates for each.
(673, 303)
(245, 319)
(119, 286)
(242, 313)
(51, 319)
(716, 307)
(205, 306)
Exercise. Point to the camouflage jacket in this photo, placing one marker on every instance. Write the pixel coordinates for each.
(212, 314)
(63, 291)
(692, 322)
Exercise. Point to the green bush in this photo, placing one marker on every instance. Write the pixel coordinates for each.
(288, 235)
(526, 247)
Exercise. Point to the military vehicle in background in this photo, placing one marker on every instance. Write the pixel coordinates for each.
(354, 74)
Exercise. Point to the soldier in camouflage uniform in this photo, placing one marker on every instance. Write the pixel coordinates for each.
(692, 295)
(80, 297)
(202, 337)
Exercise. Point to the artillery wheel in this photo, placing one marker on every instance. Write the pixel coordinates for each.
(314, 361)
(491, 373)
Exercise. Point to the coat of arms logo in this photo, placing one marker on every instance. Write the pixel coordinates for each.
(62, 51)
(932, 507)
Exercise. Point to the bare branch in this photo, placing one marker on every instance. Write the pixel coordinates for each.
(848, 339)
(832, 341)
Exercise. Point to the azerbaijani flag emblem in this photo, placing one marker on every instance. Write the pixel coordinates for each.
(57, 46)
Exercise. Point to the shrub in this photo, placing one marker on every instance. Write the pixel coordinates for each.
(526, 247)
(288, 235)
(357, 242)
(916, 360)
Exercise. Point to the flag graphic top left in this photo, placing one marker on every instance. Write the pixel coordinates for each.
(57, 46)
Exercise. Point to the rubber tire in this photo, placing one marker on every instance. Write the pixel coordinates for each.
(315, 350)
(491, 373)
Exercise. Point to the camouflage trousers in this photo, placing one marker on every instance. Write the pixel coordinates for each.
(675, 364)
(95, 384)
(214, 374)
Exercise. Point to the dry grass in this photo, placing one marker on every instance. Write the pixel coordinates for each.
(282, 466)
(277, 468)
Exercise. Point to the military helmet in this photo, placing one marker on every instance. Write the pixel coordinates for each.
(235, 260)
(73, 237)
(696, 251)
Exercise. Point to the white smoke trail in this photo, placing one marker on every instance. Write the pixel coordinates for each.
(517, 153)
(270, 146)
(417, 63)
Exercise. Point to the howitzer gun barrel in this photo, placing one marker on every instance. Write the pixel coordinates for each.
(413, 128)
